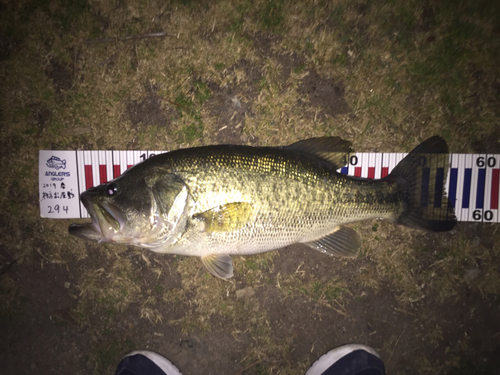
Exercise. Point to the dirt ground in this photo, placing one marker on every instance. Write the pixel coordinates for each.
(428, 303)
(48, 340)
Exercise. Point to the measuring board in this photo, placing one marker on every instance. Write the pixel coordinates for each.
(472, 183)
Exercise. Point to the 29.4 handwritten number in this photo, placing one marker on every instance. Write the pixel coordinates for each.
(57, 209)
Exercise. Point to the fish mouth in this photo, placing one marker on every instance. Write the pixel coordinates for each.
(107, 221)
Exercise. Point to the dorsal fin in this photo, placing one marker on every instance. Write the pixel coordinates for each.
(333, 149)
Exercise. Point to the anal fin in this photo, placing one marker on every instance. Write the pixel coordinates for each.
(220, 265)
(343, 241)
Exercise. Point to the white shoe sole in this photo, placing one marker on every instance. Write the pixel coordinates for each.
(328, 359)
(164, 364)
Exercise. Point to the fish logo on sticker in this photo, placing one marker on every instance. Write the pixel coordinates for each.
(56, 163)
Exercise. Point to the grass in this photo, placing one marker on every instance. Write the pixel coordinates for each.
(408, 70)
(189, 114)
(331, 292)
(104, 353)
(113, 289)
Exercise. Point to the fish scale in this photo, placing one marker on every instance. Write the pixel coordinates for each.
(314, 212)
(217, 201)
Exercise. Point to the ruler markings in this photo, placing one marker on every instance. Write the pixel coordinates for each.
(424, 189)
(109, 165)
(472, 183)
(78, 179)
(452, 189)
(385, 165)
(438, 190)
(495, 181)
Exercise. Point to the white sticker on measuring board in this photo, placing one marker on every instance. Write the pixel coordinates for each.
(58, 185)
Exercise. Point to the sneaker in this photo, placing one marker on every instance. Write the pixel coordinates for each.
(143, 362)
(348, 360)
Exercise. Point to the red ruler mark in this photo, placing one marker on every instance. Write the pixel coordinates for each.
(495, 181)
(385, 171)
(88, 177)
(116, 171)
(371, 172)
(103, 175)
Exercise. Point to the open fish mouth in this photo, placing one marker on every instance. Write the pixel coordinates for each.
(107, 221)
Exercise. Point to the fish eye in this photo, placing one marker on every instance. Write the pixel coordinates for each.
(111, 189)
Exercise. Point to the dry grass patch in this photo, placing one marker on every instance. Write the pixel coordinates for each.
(112, 289)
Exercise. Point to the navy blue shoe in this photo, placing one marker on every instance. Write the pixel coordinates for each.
(143, 362)
(348, 360)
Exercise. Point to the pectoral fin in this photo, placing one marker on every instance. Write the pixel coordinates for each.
(220, 265)
(226, 218)
(343, 242)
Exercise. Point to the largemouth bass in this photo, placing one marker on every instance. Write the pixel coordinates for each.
(216, 201)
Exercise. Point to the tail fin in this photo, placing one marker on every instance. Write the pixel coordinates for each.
(421, 176)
